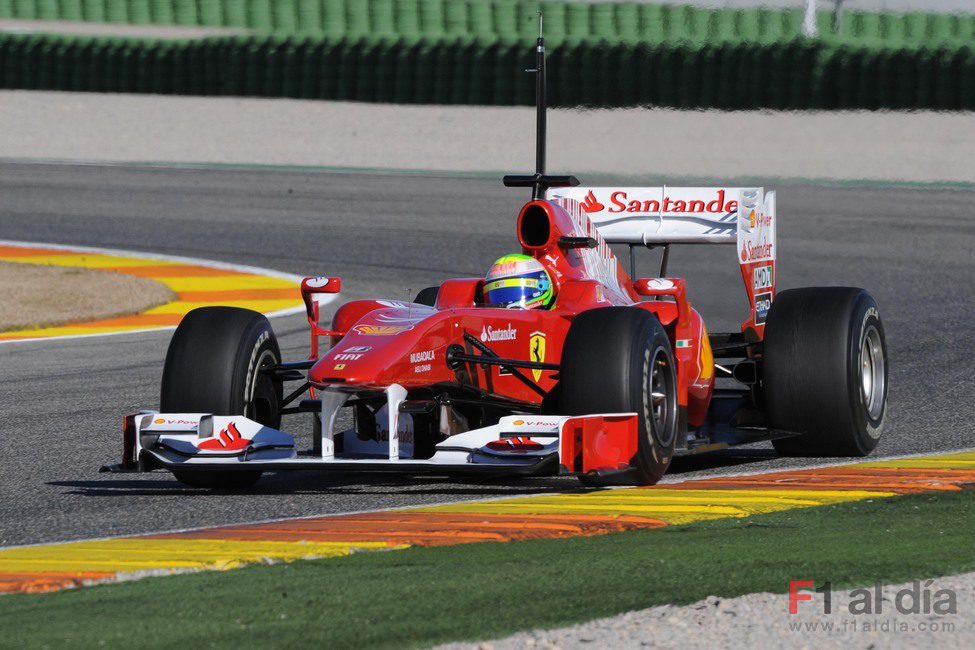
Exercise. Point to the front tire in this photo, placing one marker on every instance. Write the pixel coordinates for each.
(825, 371)
(618, 360)
(213, 366)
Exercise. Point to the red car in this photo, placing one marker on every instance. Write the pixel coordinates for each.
(588, 371)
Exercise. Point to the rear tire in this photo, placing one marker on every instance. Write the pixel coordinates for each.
(825, 371)
(619, 360)
(212, 366)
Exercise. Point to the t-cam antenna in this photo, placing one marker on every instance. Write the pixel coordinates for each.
(538, 181)
(541, 103)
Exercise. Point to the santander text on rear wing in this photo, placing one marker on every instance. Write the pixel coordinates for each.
(671, 215)
(651, 216)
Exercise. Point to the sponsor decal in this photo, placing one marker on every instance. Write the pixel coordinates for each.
(353, 353)
(227, 440)
(404, 429)
(490, 334)
(535, 423)
(718, 205)
(504, 269)
(420, 357)
(763, 302)
(756, 228)
(316, 282)
(405, 436)
(379, 330)
(756, 252)
(758, 218)
(338, 366)
(620, 201)
(683, 343)
(536, 351)
(762, 277)
(422, 368)
(175, 422)
(590, 204)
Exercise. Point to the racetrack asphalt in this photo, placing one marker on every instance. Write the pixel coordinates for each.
(384, 234)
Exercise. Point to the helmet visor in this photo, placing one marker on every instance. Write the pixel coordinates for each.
(517, 292)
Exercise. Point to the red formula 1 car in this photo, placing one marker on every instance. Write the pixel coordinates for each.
(608, 382)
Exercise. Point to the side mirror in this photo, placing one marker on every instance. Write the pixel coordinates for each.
(310, 289)
(318, 285)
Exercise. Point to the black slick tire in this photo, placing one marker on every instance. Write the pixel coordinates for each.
(825, 371)
(212, 366)
(616, 360)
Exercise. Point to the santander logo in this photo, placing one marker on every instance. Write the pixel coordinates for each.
(227, 440)
(508, 333)
(756, 252)
(590, 204)
(620, 201)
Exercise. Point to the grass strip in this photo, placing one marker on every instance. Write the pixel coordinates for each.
(422, 596)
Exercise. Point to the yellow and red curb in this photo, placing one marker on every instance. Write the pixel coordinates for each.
(55, 566)
(194, 282)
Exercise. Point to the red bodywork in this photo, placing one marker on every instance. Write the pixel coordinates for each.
(379, 343)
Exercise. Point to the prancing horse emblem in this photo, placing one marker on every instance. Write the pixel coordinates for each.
(536, 348)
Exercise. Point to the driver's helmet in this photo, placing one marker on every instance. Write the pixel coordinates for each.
(518, 281)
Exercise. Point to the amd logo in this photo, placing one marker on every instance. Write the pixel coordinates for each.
(762, 277)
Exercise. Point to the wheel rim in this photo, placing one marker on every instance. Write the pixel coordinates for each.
(873, 376)
(260, 390)
(662, 407)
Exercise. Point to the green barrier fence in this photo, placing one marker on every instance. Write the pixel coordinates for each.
(507, 20)
(796, 74)
(475, 51)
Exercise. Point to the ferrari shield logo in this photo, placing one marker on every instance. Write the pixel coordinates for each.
(536, 352)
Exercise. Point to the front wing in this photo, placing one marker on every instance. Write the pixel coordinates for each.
(599, 444)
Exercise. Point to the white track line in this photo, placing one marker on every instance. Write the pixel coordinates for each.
(242, 268)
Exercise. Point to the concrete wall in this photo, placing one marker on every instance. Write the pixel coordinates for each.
(670, 144)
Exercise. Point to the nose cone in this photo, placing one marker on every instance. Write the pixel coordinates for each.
(387, 346)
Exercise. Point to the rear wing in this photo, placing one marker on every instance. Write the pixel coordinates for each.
(667, 215)
(656, 216)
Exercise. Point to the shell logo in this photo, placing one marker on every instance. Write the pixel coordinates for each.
(379, 330)
(159, 421)
(518, 423)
